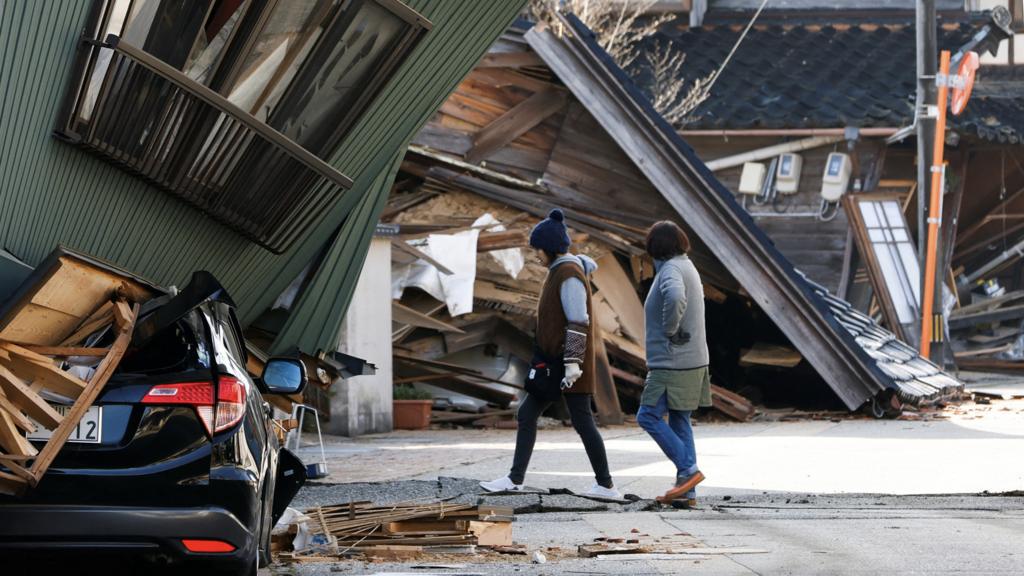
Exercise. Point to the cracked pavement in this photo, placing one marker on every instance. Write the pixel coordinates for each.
(813, 497)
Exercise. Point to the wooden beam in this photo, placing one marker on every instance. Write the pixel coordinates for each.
(29, 402)
(11, 439)
(65, 351)
(41, 369)
(510, 60)
(618, 290)
(404, 315)
(99, 379)
(404, 246)
(519, 120)
(606, 398)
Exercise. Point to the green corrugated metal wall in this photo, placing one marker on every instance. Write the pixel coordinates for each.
(53, 193)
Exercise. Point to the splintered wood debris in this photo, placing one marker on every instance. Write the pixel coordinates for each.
(70, 308)
(401, 531)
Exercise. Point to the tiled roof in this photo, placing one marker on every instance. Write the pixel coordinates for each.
(915, 379)
(820, 77)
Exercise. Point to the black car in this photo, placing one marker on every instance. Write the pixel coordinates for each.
(177, 462)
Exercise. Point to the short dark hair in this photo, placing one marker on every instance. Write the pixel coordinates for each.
(666, 240)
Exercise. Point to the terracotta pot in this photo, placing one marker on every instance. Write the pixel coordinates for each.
(411, 414)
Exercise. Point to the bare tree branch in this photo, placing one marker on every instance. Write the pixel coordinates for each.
(668, 89)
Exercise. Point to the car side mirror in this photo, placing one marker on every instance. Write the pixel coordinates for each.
(284, 376)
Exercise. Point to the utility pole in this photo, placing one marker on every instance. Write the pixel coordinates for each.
(925, 109)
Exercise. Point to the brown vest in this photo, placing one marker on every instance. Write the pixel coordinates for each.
(551, 323)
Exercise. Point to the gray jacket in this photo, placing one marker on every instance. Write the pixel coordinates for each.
(674, 317)
(572, 291)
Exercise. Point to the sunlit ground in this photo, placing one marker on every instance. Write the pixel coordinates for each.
(975, 451)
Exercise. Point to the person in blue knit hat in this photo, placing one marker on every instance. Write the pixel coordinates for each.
(565, 353)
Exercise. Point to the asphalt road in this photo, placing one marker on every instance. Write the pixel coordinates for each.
(815, 497)
(841, 535)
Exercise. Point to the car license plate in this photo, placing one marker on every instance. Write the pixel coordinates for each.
(88, 431)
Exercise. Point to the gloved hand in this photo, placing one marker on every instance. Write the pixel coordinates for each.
(572, 374)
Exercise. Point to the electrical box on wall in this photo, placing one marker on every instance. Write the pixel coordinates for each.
(837, 176)
(752, 178)
(787, 174)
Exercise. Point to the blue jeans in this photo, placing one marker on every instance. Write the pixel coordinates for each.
(675, 438)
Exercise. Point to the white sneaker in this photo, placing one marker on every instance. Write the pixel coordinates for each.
(503, 484)
(598, 491)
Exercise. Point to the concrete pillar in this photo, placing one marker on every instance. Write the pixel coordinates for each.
(362, 405)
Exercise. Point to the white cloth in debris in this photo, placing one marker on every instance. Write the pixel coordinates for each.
(457, 252)
(510, 259)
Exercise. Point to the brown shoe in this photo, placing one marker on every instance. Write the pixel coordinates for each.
(680, 489)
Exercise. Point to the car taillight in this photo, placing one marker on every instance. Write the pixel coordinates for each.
(230, 403)
(216, 416)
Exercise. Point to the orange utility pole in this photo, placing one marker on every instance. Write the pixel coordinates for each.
(932, 326)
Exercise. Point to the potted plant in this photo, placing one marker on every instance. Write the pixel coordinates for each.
(411, 408)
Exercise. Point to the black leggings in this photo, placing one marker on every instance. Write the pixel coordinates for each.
(582, 420)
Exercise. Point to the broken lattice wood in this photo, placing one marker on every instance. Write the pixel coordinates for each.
(67, 301)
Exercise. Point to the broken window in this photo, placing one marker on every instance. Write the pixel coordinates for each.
(306, 67)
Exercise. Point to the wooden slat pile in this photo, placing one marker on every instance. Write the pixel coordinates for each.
(365, 528)
(71, 308)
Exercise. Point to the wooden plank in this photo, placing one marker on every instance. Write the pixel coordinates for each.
(65, 351)
(491, 533)
(490, 241)
(515, 122)
(20, 420)
(419, 254)
(771, 355)
(404, 315)
(40, 370)
(103, 372)
(606, 397)
(122, 314)
(616, 288)
(731, 404)
(25, 398)
(510, 60)
(958, 320)
(92, 324)
(11, 439)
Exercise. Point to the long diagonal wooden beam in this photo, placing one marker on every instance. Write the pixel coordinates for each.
(519, 120)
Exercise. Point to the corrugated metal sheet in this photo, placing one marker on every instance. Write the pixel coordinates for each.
(52, 193)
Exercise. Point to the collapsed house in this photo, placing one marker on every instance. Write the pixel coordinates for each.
(805, 89)
(548, 119)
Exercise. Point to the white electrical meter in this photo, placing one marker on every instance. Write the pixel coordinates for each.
(752, 178)
(787, 174)
(837, 176)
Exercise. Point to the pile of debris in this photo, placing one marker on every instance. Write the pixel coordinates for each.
(391, 532)
(62, 335)
(465, 308)
(988, 334)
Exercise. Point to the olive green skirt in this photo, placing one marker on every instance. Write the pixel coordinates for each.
(686, 389)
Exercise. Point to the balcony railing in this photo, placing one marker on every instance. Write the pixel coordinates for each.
(149, 118)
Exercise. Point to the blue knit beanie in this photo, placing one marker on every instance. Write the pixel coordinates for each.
(551, 235)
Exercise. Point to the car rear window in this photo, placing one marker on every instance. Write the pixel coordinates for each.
(178, 348)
